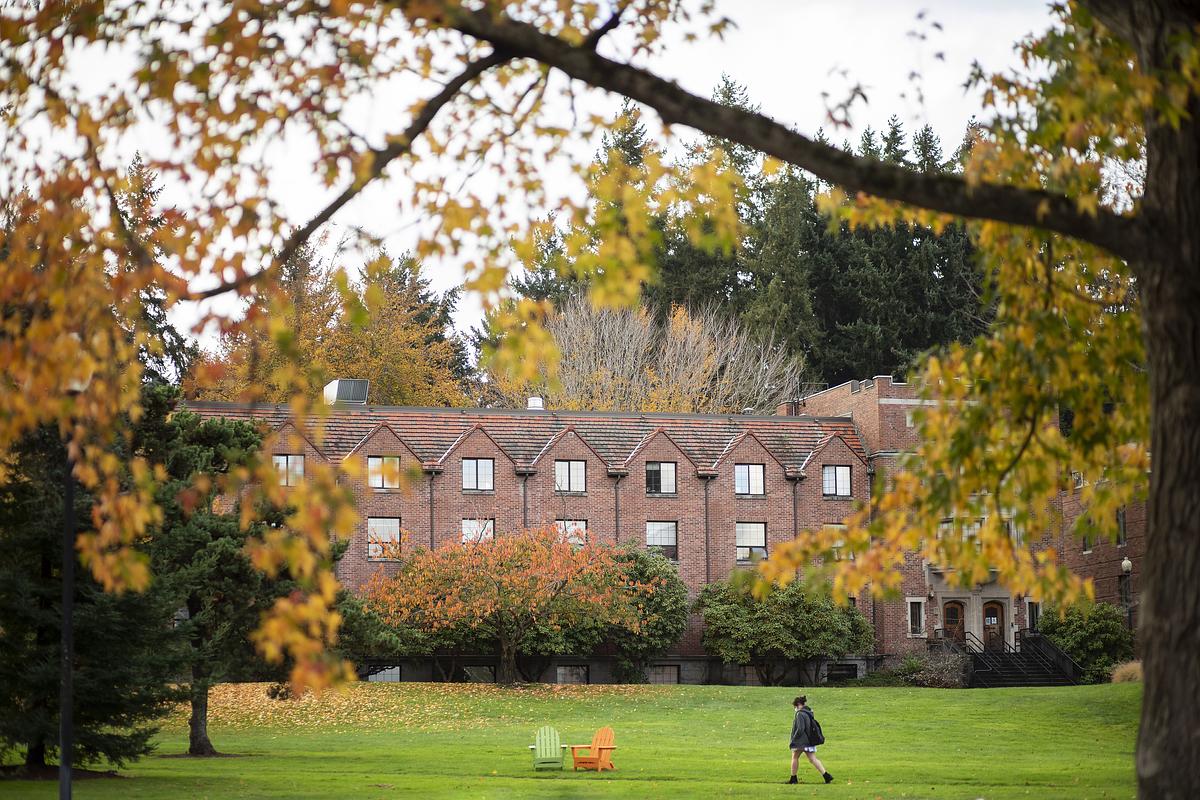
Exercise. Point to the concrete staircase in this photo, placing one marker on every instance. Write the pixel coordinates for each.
(1036, 661)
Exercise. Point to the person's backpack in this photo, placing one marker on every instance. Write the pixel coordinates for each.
(818, 737)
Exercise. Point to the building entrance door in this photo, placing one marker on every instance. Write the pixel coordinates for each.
(993, 625)
(953, 620)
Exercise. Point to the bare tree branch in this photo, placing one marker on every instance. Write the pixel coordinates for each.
(381, 158)
(1123, 236)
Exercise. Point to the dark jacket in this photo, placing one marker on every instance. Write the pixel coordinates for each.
(802, 729)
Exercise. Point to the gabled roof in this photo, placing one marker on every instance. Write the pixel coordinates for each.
(737, 440)
(466, 434)
(524, 435)
(277, 430)
(651, 436)
(371, 434)
(821, 445)
(556, 438)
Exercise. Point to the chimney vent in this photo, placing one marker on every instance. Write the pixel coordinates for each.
(535, 404)
(347, 391)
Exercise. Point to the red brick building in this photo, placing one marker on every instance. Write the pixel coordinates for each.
(713, 491)
(882, 410)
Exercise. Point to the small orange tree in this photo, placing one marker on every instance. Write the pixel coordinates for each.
(511, 589)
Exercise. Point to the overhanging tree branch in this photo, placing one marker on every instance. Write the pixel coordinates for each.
(381, 157)
(1122, 236)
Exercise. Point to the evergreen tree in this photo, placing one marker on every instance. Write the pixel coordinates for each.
(126, 654)
(894, 149)
(197, 553)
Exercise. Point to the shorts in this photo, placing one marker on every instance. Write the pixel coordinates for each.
(808, 749)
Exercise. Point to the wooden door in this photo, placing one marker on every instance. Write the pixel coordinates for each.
(993, 625)
(953, 620)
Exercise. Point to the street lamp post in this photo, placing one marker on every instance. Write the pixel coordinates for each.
(66, 731)
(66, 722)
(1127, 569)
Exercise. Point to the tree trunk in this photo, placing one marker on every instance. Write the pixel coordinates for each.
(506, 670)
(198, 741)
(1168, 756)
(35, 755)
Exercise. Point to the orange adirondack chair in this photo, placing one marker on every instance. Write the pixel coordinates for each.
(599, 752)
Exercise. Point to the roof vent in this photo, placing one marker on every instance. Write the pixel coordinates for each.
(535, 404)
(748, 410)
(352, 391)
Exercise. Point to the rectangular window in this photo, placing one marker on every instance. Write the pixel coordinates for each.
(1015, 534)
(570, 476)
(290, 469)
(664, 537)
(573, 530)
(660, 477)
(383, 674)
(572, 673)
(478, 530)
(835, 481)
(1087, 543)
(751, 540)
(383, 472)
(748, 479)
(480, 673)
(908, 419)
(1121, 535)
(1077, 480)
(1033, 614)
(838, 549)
(916, 617)
(477, 474)
(662, 673)
(383, 538)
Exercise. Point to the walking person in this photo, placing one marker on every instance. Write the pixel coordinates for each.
(806, 735)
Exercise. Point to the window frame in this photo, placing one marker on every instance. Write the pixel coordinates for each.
(475, 462)
(677, 670)
(587, 674)
(909, 602)
(836, 494)
(749, 559)
(489, 529)
(837, 550)
(565, 528)
(287, 474)
(570, 476)
(382, 545)
(671, 551)
(1122, 527)
(674, 478)
(762, 479)
(382, 472)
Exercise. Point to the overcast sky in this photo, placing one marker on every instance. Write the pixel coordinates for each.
(789, 54)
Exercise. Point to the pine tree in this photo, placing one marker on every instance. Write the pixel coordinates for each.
(894, 149)
(126, 654)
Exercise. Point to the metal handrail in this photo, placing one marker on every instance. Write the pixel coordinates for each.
(1025, 633)
(976, 647)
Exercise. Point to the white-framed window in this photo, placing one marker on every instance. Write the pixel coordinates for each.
(916, 616)
(389, 674)
(383, 472)
(383, 538)
(664, 537)
(662, 673)
(1087, 543)
(751, 540)
(477, 474)
(660, 477)
(1014, 532)
(478, 530)
(1077, 480)
(835, 480)
(572, 673)
(908, 418)
(838, 550)
(570, 476)
(572, 530)
(1122, 536)
(748, 479)
(290, 468)
(1033, 614)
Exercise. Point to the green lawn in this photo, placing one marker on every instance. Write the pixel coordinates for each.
(454, 740)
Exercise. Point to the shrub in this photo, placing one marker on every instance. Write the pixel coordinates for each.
(933, 670)
(1096, 636)
(1127, 672)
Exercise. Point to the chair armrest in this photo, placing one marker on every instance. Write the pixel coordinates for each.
(564, 746)
(607, 747)
(575, 747)
(532, 747)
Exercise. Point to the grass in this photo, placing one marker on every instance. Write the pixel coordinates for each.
(454, 740)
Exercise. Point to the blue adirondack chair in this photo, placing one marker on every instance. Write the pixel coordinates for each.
(547, 749)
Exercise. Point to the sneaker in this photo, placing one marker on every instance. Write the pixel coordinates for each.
(828, 778)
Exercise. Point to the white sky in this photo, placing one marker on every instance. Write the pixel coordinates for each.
(788, 53)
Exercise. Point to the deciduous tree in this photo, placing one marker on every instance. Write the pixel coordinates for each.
(513, 589)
